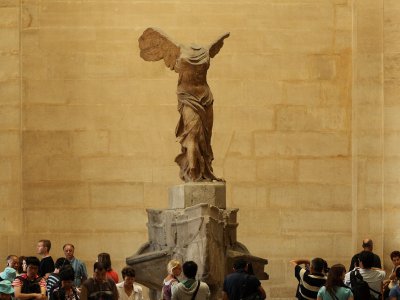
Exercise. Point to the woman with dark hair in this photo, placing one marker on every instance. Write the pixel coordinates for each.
(105, 259)
(334, 288)
(21, 265)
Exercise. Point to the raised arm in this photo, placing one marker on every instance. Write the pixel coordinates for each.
(296, 262)
(217, 45)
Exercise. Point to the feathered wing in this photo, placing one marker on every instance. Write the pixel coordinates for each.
(155, 45)
(217, 45)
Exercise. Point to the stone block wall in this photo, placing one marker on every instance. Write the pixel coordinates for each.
(10, 129)
(391, 125)
(306, 124)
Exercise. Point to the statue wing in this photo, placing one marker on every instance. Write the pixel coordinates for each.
(217, 45)
(155, 45)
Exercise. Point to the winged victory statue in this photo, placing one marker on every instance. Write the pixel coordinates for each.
(195, 100)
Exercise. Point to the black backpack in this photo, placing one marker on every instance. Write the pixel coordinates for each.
(360, 288)
(245, 294)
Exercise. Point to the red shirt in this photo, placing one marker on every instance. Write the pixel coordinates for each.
(113, 275)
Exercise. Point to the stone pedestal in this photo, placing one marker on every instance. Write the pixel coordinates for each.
(192, 193)
(196, 227)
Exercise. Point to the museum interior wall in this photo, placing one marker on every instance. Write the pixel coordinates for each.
(306, 125)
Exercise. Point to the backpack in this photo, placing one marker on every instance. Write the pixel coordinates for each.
(244, 293)
(360, 288)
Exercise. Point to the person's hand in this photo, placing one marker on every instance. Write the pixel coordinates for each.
(40, 296)
(386, 283)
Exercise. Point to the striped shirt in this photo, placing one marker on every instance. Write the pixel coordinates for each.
(309, 284)
(52, 282)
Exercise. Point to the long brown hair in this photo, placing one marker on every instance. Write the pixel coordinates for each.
(105, 259)
(335, 278)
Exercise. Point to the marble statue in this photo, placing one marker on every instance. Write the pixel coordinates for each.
(195, 100)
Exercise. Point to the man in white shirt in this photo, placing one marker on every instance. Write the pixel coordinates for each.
(128, 289)
(373, 276)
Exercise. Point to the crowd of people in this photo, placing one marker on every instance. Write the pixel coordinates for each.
(28, 278)
(241, 284)
(365, 279)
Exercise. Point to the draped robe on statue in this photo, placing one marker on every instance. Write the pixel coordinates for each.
(195, 105)
(195, 100)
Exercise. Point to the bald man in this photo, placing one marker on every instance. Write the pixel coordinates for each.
(368, 245)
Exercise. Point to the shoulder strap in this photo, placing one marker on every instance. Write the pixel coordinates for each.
(243, 288)
(357, 273)
(197, 289)
(336, 298)
(374, 290)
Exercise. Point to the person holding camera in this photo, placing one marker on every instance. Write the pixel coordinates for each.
(311, 278)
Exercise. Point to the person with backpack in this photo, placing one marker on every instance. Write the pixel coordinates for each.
(365, 281)
(242, 283)
(190, 288)
(30, 286)
(334, 288)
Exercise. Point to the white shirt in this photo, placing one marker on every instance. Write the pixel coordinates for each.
(136, 293)
(373, 277)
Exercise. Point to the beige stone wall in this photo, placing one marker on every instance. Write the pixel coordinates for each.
(391, 125)
(10, 129)
(305, 134)
(368, 119)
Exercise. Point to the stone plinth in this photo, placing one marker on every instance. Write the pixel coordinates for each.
(192, 193)
(202, 233)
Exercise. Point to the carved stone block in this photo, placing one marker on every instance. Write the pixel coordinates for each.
(192, 193)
